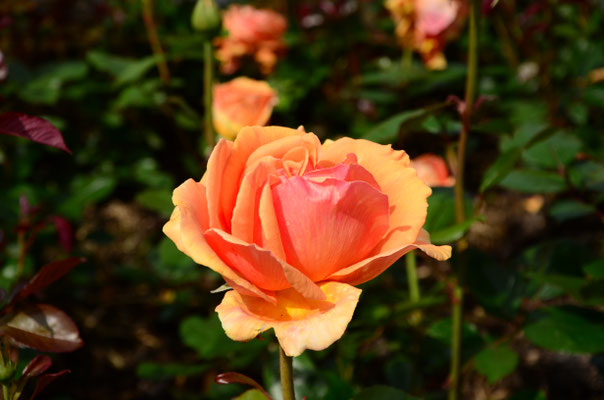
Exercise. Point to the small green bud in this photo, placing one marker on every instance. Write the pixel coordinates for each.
(7, 371)
(206, 17)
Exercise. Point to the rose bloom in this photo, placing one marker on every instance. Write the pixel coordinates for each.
(426, 25)
(293, 226)
(241, 102)
(433, 170)
(253, 32)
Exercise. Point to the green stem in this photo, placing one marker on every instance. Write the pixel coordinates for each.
(412, 280)
(413, 283)
(5, 392)
(457, 291)
(457, 319)
(208, 85)
(287, 376)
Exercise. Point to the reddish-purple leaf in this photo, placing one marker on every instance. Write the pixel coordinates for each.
(44, 380)
(234, 377)
(47, 275)
(37, 366)
(64, 230)
(33, 128)
(44, 328)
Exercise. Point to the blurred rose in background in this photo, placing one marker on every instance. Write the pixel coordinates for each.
(433, 170)
(254, 32)
(241, 102)
(426, 25)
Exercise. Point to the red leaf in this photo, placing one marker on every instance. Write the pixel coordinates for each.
(44, 380)
(64, 231)
(33, 128)
(44, 328)
(47, 275)
(234, 377)
(37, 366)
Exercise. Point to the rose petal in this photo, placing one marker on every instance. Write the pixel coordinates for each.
(328, 225)
(260, 266)
(368, 269)
(248, 140)
(185, 227)
(299, 323)
(271, 236)
(346, 172)
(216, 165)
(407, 194)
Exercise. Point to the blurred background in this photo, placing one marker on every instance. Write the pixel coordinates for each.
(534, 321)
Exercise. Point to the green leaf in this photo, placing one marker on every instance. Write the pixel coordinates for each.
(135, 70)
(560, 148)
(452, 233)
(45, 87)
(124, 69)
(564, 330)
(159, 200)
(143, 95)
(156, 371)
(595, 269)
(252, 394)
(382, 393)
(85, 191)
(500, 168)
(534, 181)
(568, 209)
(496, 362)
(388, 130)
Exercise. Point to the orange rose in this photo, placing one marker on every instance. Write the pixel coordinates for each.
(293, 225)
(241, 102)
(426, 25)
(433, 170)
(251, 32)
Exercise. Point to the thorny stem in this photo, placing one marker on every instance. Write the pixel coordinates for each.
(153, 38)
(457, 291)
(208, 85)
(287, 376)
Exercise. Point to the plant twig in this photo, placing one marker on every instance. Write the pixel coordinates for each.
(153, 38)
(208, 86)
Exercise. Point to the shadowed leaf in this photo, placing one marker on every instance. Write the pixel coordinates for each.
(37, 366)
(43, 328)
(44, 380)
(234, 377)
(33, 128)
(46, 276)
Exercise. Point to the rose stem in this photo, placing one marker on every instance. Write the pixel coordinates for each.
(413, 284)
(287, 376)
(208, 85)
(457, 291)
(153, 38)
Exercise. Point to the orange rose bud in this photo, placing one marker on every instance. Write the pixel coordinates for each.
(433, 170)
(293, 226)
(241, 102)
(254, 32)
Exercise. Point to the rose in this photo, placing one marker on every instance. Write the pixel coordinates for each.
(251, 31)
(426, 25)
(433, 170)
(292, 226)
(241, 102)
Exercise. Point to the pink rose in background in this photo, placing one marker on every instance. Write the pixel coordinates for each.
(254, 32)
(433, 170)
(426, 25)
